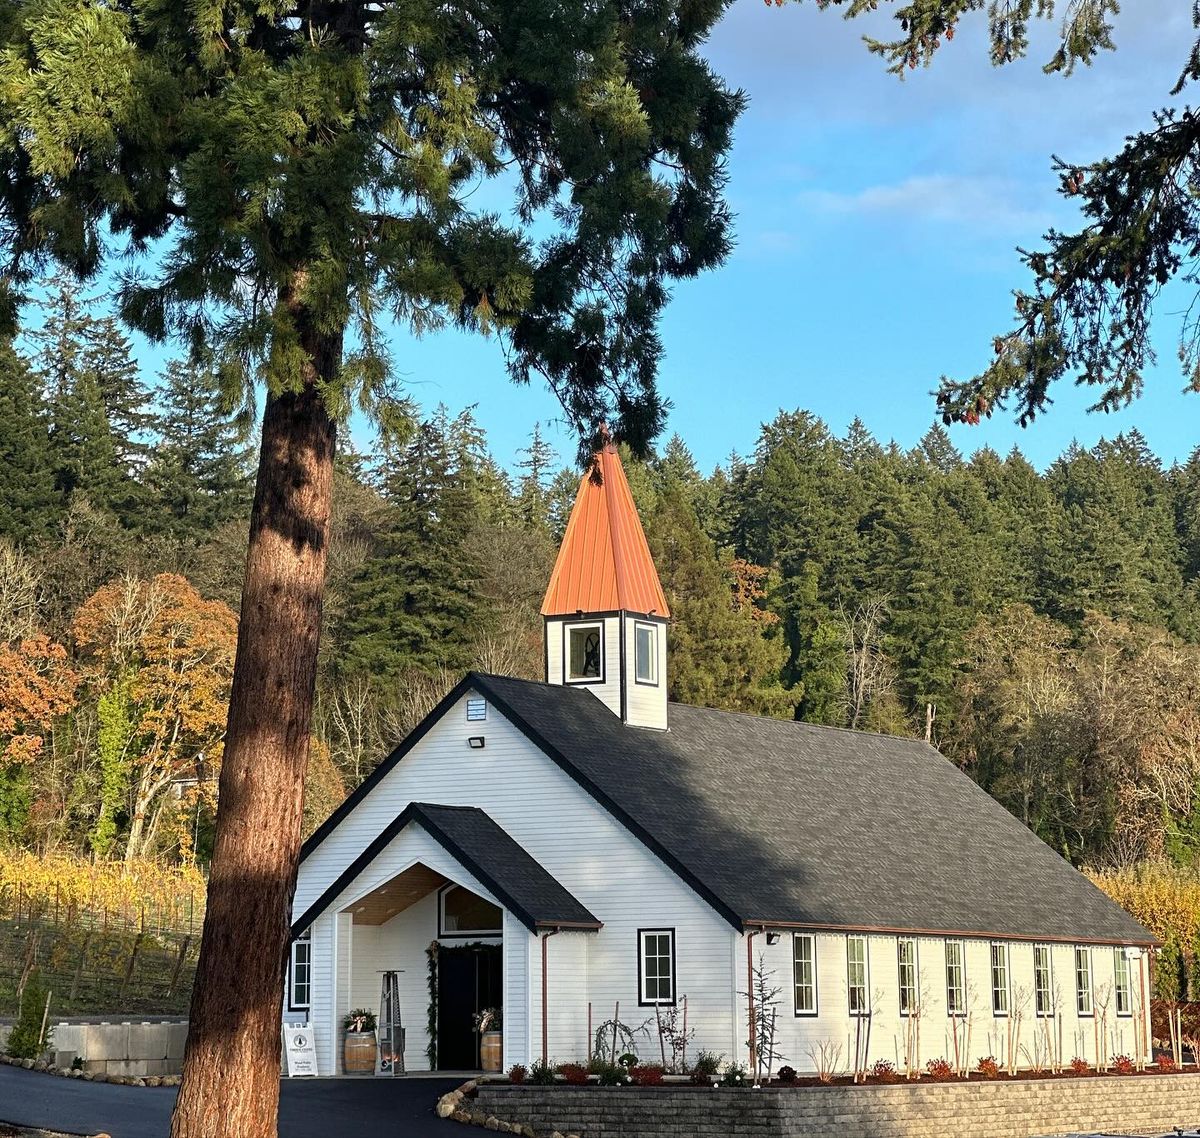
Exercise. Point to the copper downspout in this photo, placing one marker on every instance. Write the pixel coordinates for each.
(750, 1001)
(545, 999)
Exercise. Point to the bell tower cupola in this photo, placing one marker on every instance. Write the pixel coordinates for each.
(605, 612)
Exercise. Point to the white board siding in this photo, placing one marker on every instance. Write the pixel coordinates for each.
(646, 704)
(609, 692)
(799, 1038)
(611, 872)
(566, 996)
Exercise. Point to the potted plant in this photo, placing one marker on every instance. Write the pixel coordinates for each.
(489, 1023)
(359, 1046)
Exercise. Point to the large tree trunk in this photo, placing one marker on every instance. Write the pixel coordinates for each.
(231, 1067)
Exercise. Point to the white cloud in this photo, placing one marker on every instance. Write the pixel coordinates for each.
(986, 203)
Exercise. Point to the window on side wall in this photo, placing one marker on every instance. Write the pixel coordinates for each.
(1043, 994)
(856, 975)
(645, 653)
(585, 653)
(999, 979)
(906, 963)
(300, 973)
(656, 966)
(1122, 988)
(956, 988)
(804, 974)
(1083, 981)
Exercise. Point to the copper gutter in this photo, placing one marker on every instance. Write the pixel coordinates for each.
(753, 1041)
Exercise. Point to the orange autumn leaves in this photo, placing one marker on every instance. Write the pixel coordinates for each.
(36, 687)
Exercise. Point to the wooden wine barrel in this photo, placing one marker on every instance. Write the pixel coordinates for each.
(491, 1050)
(358, 1053)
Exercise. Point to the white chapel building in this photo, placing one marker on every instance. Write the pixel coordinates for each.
(558, 849)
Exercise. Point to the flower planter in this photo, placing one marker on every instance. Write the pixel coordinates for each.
(358, 1053)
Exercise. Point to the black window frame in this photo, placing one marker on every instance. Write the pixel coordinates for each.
(654, 653)
(305, 938)
(568, 627)
(669, 932)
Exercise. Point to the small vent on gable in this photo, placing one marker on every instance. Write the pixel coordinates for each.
(476, 710)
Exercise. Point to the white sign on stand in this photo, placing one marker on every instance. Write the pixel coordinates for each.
(301, 1051)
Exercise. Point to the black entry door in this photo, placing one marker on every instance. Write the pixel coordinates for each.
(469, 980)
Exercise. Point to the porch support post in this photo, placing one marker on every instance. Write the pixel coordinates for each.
(546, 999)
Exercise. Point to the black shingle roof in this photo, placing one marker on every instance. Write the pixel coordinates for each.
(781, 822)
(477, 843)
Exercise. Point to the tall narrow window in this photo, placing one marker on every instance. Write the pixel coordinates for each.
(856, 974)
(956, 990)
(1121, 986)
(645, 653)
(906, 961)
(804, 963)
(1043, 997)
(1000, 979)
(1083, 981)
(656, 966)
(300, 973)
(585, 657)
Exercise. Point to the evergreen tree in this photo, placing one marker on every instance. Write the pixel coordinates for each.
(29, 503)
(533, 487)
(201, 472)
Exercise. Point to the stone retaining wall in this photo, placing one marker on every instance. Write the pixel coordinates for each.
(1139, 1103)
(136, 1050)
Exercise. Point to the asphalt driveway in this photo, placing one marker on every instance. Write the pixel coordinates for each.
(308, 1108)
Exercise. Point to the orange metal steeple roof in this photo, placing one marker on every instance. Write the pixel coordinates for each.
(604, 563)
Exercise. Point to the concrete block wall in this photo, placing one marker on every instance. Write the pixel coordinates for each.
(1019, 1109)
(133, 1049)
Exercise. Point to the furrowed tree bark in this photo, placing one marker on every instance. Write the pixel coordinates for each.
(230, 1085)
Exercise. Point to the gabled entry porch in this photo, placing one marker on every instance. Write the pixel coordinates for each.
(449, 903)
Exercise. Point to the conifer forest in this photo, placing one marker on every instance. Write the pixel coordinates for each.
(1042, 628)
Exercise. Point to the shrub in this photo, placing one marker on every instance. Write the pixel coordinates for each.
(629, 1059)
(26, 1040)
(541, 1074)
(734, 1075)
(647, 1075)
(1123, 1065)
(1080, 1066)
(884, 1071)
(574, 1073)
(1164, 1063)
(988, 1067)
(517, 1073)
(613, 1075)
(939, 1070)
(707, 1064)
(786, 1074)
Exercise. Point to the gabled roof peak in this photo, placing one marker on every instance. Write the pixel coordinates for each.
(604, 563)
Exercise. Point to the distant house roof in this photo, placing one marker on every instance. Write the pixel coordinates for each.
(604, 563)
(781, 823)
(489, 853)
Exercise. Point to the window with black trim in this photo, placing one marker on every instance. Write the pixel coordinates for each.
(300, 973)
(1083, 981)
(645, 653)
(1043, 994)
(656, 966)
(585, 653)
(999, 979)
(463, 913)
(906, 963)
(804, 973)
(856, 975)
(956, 986)
(1122, 989)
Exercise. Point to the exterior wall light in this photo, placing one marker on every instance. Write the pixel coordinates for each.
(475, 741)
(773, 938)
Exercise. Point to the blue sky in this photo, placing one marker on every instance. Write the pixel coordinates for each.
(876, 226)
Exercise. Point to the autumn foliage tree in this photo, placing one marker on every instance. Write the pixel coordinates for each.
(162, 657)
(36, 687)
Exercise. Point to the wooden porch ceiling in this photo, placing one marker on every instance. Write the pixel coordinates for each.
(394, 896)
